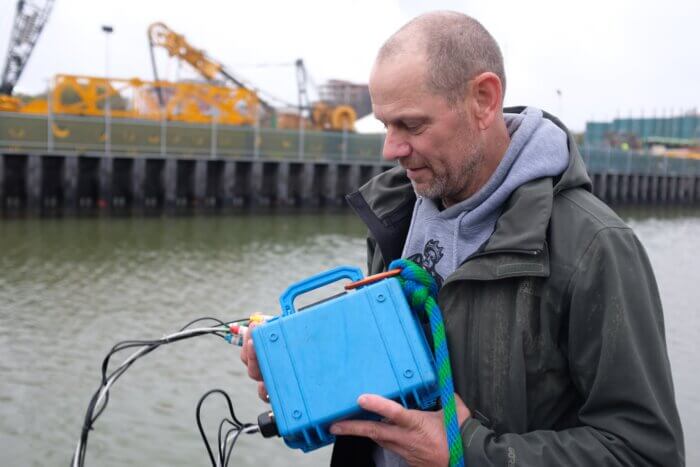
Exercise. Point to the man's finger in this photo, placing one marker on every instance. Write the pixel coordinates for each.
(392, 411)
(244, 348)
(253, 367)
(249, 333)
(463, 411)
(244, 354)
(377, 431)
(262, 392)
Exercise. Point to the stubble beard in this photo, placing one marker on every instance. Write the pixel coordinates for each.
(454, 181)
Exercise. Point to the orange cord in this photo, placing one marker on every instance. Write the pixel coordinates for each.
(373, 278)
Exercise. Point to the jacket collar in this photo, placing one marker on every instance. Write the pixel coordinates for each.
(518, 245)
(516, 248)
(385, 205)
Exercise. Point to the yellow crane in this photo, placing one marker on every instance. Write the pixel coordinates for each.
(321, 116)
(223, 98)
(232, 103)
(247, 100)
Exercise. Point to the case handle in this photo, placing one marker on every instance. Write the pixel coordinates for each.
(315, 282)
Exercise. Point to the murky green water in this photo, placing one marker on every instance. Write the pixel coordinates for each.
(71, 288)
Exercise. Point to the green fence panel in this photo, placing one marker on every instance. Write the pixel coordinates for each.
(365, 148)
(278, 144)
(22, 132)
(29, 133)
(234, 141)
(322, 146)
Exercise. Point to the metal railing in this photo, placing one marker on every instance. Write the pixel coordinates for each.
(147, 138)
(87, 135)
(609, 160)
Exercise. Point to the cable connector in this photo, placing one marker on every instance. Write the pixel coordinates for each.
(236, 332)
(235, 338)
(268, 427)
(257, 318)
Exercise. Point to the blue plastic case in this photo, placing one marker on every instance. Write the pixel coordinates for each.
(316, 362)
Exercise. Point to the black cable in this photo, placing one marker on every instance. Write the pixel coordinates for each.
(116, 374)
(154, 344)
(230, 449)
(237, 425)
(206, 318)
(91, 416)
(225, 451)
(222, 442)
(199, 421)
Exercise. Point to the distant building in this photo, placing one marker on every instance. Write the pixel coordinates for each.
(369, 125)
(338, 92)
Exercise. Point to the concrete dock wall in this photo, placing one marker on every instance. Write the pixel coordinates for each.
(39, 182)
(643, 189)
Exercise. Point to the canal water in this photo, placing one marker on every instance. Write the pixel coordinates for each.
(71, 288)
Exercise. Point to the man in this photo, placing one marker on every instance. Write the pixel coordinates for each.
(553, 319)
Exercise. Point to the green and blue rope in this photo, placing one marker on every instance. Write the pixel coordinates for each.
(421, 292)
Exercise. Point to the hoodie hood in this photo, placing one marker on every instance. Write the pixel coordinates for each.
(440, 240)
(386, 204)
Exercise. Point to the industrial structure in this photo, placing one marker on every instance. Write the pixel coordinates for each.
(30, 18)
(672, 136)
(221, 97)
(216, 142)
(339, 92)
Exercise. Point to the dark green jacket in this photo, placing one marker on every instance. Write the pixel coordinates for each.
(555, 330)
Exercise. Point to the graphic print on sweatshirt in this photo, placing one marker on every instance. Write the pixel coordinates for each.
(432, 254)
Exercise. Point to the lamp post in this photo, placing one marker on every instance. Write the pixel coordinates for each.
(49, 119)
(108, 130)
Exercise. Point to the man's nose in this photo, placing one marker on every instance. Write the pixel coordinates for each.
(395, 146)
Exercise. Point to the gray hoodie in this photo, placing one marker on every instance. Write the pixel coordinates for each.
(441, 240)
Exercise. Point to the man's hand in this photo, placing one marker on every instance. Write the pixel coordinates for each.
(250, 360)
(417, 436)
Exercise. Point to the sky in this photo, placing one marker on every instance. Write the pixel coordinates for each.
(607, 58)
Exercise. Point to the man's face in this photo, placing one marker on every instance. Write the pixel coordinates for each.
(438, 144)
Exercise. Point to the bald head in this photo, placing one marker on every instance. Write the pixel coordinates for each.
(456, 48)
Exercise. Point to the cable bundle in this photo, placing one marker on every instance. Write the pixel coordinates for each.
(100, 398)
(231, 436)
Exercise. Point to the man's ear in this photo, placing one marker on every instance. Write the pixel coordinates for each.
(486, 93)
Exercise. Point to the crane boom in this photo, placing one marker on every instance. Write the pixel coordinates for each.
(30, 18)
(177, 46)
